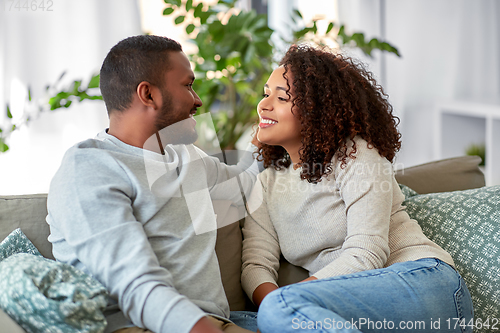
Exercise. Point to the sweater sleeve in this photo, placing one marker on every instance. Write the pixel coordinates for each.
(365, 185)
(231, 182)
(261, 250)
(90, 204)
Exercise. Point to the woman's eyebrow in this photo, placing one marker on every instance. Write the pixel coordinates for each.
(277, 88)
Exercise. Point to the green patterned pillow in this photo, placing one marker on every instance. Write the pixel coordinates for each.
(467, 225)
(16, 242)
(44, 295)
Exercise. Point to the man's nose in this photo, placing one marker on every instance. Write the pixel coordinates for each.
(197, 100)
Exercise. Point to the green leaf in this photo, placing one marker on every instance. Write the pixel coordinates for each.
(204, 17)
(190, 28)
(76, 86)
(174, 2)
(297, 13)
(13, 128)
(179, 19)
(95, 98)
(389, 48)
(330, 27)
(189, 5)
(228, 3)
(342, 33)
(29, 94)
(198, 10)
(9, 115)
(94, 81)
(301, 33)
(168, 11)
(359, 38)
(3, 146)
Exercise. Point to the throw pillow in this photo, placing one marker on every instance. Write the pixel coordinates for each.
(467, 225)
(16, 242)
(43, 295)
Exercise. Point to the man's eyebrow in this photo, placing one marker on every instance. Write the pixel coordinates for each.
(277, 88)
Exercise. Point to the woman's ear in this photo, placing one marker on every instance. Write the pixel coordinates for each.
(149, 95)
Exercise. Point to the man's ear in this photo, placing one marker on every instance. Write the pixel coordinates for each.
(149, 95)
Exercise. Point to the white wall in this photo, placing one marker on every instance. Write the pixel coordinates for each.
(36, 46)
(450, 51)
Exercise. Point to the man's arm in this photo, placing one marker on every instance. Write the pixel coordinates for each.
(230, 182)
(90, 205)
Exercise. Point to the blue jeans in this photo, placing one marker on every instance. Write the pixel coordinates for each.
(425, 295)
(245, 319)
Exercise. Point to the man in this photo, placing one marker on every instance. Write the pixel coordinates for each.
(130, 207)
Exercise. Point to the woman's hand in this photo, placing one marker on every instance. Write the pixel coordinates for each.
(311, 278)
(261, 291)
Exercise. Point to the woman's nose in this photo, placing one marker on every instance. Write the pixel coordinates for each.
(264, 105)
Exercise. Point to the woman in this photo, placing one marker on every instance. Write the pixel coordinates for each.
(328, 202)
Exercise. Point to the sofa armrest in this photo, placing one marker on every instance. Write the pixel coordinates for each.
(8, 324)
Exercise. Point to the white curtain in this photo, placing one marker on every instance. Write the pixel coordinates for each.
(36, 47)
(450, 51)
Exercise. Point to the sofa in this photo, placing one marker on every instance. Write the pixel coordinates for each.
(448, 198)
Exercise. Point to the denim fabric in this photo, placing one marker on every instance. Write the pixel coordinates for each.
(245, 319)
(426, 295)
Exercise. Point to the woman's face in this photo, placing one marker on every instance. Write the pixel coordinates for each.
(278, 126)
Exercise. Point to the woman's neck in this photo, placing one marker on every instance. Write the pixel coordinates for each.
(294, 156)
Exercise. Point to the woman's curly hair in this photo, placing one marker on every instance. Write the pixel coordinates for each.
(335, 99)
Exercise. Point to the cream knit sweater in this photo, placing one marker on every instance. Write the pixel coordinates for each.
(351, 221)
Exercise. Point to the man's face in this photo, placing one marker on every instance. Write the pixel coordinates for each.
(179, 102)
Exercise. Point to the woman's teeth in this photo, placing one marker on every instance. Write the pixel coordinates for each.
(268, 121)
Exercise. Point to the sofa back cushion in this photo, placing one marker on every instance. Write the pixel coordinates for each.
(28, 213)
(452, 174)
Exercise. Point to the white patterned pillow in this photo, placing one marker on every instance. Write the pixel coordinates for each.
(467, 225)
(43, 295)
(16, 242)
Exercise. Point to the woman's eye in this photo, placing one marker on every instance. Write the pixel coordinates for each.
(265, 95)
(283, 99)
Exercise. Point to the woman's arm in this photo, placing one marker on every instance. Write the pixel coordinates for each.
(261, 250)
(262, 291)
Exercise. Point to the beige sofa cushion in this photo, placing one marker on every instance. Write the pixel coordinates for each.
(7, 324)
(452, 174)
(27, 212)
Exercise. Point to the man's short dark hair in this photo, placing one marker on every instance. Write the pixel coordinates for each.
(131, 61)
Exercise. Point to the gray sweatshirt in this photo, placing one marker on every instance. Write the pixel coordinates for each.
(351, 221)
(143, 225)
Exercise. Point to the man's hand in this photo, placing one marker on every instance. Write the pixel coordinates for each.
(205, 326)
